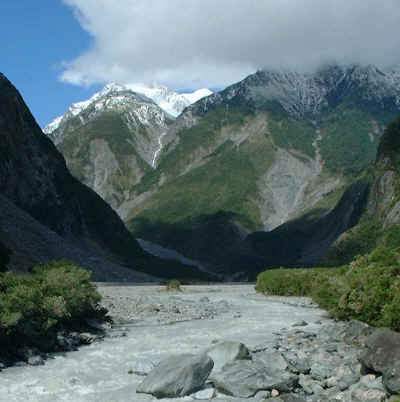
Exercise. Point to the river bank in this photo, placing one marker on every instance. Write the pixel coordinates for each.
(151, 325)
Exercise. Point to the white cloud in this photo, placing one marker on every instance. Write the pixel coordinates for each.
(196, 43)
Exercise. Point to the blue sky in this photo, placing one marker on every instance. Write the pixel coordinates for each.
(36, 37)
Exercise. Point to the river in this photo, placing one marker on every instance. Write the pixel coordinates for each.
(100, 372)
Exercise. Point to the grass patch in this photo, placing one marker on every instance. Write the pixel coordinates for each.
(368, 289)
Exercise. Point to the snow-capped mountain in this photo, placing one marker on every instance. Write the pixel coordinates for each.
(171, 102)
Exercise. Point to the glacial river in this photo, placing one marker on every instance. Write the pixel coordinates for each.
(100, 372)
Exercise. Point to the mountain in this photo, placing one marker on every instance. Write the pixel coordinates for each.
(380, 222)
(276, 147)
(111, 140)
(171, 102)
(47, 213)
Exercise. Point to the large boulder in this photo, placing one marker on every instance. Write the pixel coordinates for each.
(244, 378)
(226, 352)
(177, 376)
(391, 378)
(382, 350)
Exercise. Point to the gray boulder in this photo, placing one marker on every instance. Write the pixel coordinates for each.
(273, 360)
(382, 350)
(244, 378)
(391, 378)
(226, 352)
(177, 376)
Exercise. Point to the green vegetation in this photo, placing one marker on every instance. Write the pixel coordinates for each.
(289, 133)
(56, 296)
(350, 138)
(368, 289)
(173, 285)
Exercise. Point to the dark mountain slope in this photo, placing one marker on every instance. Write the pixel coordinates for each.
(34, 178)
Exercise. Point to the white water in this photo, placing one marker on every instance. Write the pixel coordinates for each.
(99, 372)
(158, 150)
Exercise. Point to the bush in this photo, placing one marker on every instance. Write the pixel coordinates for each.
(56, 296)
(368, 289)
(173, 286)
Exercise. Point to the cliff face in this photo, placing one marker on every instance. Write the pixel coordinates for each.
(34, 176)
(384, 201)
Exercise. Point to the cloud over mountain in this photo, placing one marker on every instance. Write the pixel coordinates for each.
(208, 43)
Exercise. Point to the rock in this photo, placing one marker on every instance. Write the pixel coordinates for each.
(301, 323)
(205, 394)
(226, 352)
(142, 367)
(261, 395)
(36, 361)
(391, 378)
(244, 378)
(365, 394)
(273, 360)
(309, 385)
(346, 381)
(274, 393)
(177, 376)
(382, 350)
(298, 362)
(322, 371)
(87, 338)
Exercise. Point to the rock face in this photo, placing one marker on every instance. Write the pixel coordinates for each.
(177, 376)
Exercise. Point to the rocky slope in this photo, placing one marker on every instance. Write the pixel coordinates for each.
(252, 157)
(35, 181)
(267, 150)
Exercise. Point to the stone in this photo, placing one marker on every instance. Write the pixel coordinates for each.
(391, 378)
(274, 393)
(244, 378)
(298, 362)
(273, 360)
(204, 394)
(309, 385)
(301, 323)
(177, 376)
(365, 394)
(142, 367)
(382, 350)
(226, 352)
(36, 361)
(261, 395)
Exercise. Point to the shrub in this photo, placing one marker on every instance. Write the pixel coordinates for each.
(173, 286)
(368, 289)
(58, 295)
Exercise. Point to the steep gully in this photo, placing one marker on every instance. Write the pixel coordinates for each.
(158, 150)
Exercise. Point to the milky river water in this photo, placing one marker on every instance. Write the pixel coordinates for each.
(100, 372)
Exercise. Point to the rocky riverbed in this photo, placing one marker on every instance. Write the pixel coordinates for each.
(273, 348)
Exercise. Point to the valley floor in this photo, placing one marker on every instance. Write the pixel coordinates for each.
(153, 324)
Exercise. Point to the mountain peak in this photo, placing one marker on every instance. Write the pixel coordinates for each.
(171, 102)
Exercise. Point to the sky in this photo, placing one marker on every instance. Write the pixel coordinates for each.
(57, 52)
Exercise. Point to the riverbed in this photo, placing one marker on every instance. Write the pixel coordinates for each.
(152, 324)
